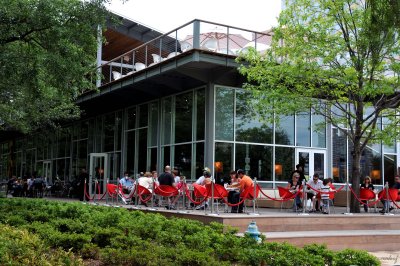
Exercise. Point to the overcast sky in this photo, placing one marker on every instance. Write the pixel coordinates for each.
(162, 15)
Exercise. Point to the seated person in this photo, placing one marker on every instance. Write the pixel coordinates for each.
(146, 181)
(207, 180)
(314, 184)
(387, 203)
(244, 182)
(325, 188)
(294, 186)
(126, 183)
(366, 185)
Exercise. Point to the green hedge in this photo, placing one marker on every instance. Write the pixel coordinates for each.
(19, 247)
(116, 236)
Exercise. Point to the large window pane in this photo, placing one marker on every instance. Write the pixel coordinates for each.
(284, 133)
(199, 160)
(183, 117)
(284, 158)
(118, 130)
(303, 131)
(256, 160)
(390, 168)
(248, 125)
(131, 118)
(166, 157)
(223, 158)
(130, 152)
(371, 164)
(144, 116)
(224, 113)
(142, 151)
(109, 126)
(153, 159)
(339, 156)
(153, 124)
(200, 122)
(318, 131)
(166, 122)
(183, 159)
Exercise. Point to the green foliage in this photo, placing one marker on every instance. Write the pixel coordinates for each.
(47, 57)
(18, 247)
(354, 257)
(337, 59)
(116, 236)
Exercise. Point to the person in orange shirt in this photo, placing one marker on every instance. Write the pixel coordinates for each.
(244, 182)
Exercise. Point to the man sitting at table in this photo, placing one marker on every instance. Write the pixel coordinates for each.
(126, 183)
(244, 182)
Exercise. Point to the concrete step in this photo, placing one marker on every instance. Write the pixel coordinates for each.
(370, 240)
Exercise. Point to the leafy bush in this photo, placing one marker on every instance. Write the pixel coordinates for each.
(116, 236)
(19, 247)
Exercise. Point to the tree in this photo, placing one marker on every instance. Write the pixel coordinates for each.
(47, 59)
(339, 59)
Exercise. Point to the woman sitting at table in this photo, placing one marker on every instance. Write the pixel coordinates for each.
(294, 186)
(367, 185)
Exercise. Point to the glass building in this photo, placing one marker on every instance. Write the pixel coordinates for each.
(188, 111)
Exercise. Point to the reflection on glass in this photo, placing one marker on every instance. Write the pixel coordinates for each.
(142, 151)
(224, 155)
(370, 163)
(303, 123)
(183, 117)
(166, 123)
(131, 119)
(153, 159)
(200, 122)
(153, 124)
(183, 159)
(118, 130)
(304, 159)
(284, 133)
(318, 131)
(224, 110)
(256, 160)
(339, 156)
(144, 115)
(285, 157)
(166, 157)
(199, 160)
(248, 125)
(130, 152)
(390, 168)
(319, 166)
(109, 125)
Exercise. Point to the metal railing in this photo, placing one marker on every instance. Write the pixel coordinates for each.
(197, 34)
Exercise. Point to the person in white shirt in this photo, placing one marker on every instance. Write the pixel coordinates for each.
(315, 183)
(146, 181)
(201, 179)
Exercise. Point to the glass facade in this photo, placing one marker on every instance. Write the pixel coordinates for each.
(172, 131)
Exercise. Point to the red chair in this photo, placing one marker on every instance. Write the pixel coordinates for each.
(393, 194)
(142, 192)
(112, 191)
(220, 192)
(248, 194)
(367, 195)
(167, 192)
(285, 194)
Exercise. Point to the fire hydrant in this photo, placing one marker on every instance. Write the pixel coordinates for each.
(252, 231)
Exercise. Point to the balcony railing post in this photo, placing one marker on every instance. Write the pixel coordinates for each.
(196, 34)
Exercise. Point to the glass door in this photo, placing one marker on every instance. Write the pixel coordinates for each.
(98, 172)
(314, 162)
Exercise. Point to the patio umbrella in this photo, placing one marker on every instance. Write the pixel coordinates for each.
(217, 40)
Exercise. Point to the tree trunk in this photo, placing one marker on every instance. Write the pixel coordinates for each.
(355, 178)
